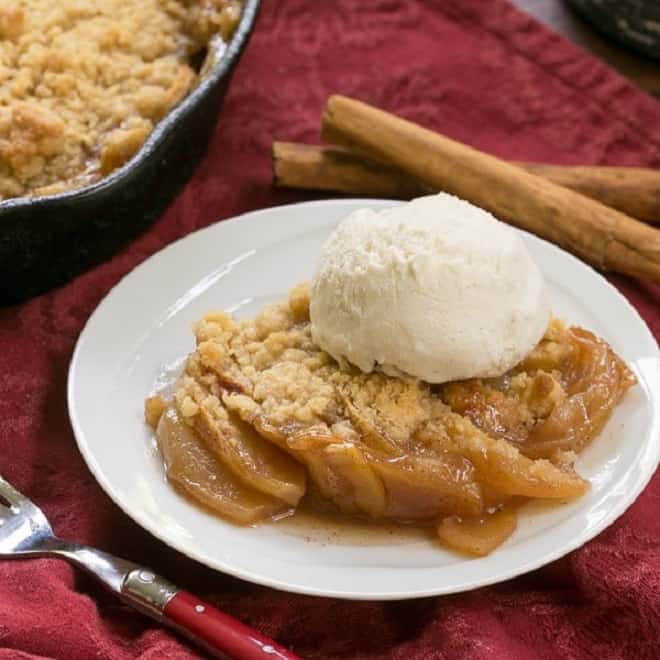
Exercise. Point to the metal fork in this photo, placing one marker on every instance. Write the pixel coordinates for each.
(26, 533)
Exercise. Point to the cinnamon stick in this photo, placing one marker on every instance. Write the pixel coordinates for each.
(601, 235)
(633, 190)
(339, 170)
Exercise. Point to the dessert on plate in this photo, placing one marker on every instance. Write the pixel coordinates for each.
(420, 378)
(83, 84)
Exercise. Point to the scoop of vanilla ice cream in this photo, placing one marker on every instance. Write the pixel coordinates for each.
(436, 288)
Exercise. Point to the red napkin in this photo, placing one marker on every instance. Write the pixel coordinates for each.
(481, 72)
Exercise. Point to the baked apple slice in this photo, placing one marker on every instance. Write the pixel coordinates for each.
(195, 471)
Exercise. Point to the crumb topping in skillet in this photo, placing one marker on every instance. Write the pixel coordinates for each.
(83, 82)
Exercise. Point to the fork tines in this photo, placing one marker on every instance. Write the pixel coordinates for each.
(10, 495)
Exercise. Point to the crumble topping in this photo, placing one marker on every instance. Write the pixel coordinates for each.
(82, 83)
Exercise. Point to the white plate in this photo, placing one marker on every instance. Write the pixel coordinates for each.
(240, 264)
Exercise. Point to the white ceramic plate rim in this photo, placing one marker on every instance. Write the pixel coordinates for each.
(648, 458)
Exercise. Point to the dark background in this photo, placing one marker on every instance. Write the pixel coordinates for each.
(644, 71)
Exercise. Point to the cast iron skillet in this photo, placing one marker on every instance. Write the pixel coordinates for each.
(45, 241)
(634, 23)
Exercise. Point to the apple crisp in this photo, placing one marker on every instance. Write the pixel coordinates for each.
(82, 84)
(260, 402)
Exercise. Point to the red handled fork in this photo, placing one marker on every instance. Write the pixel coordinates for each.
(25, 532)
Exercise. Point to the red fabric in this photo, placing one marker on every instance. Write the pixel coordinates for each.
(479, 71)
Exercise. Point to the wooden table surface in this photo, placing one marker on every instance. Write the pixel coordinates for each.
(559, 16)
